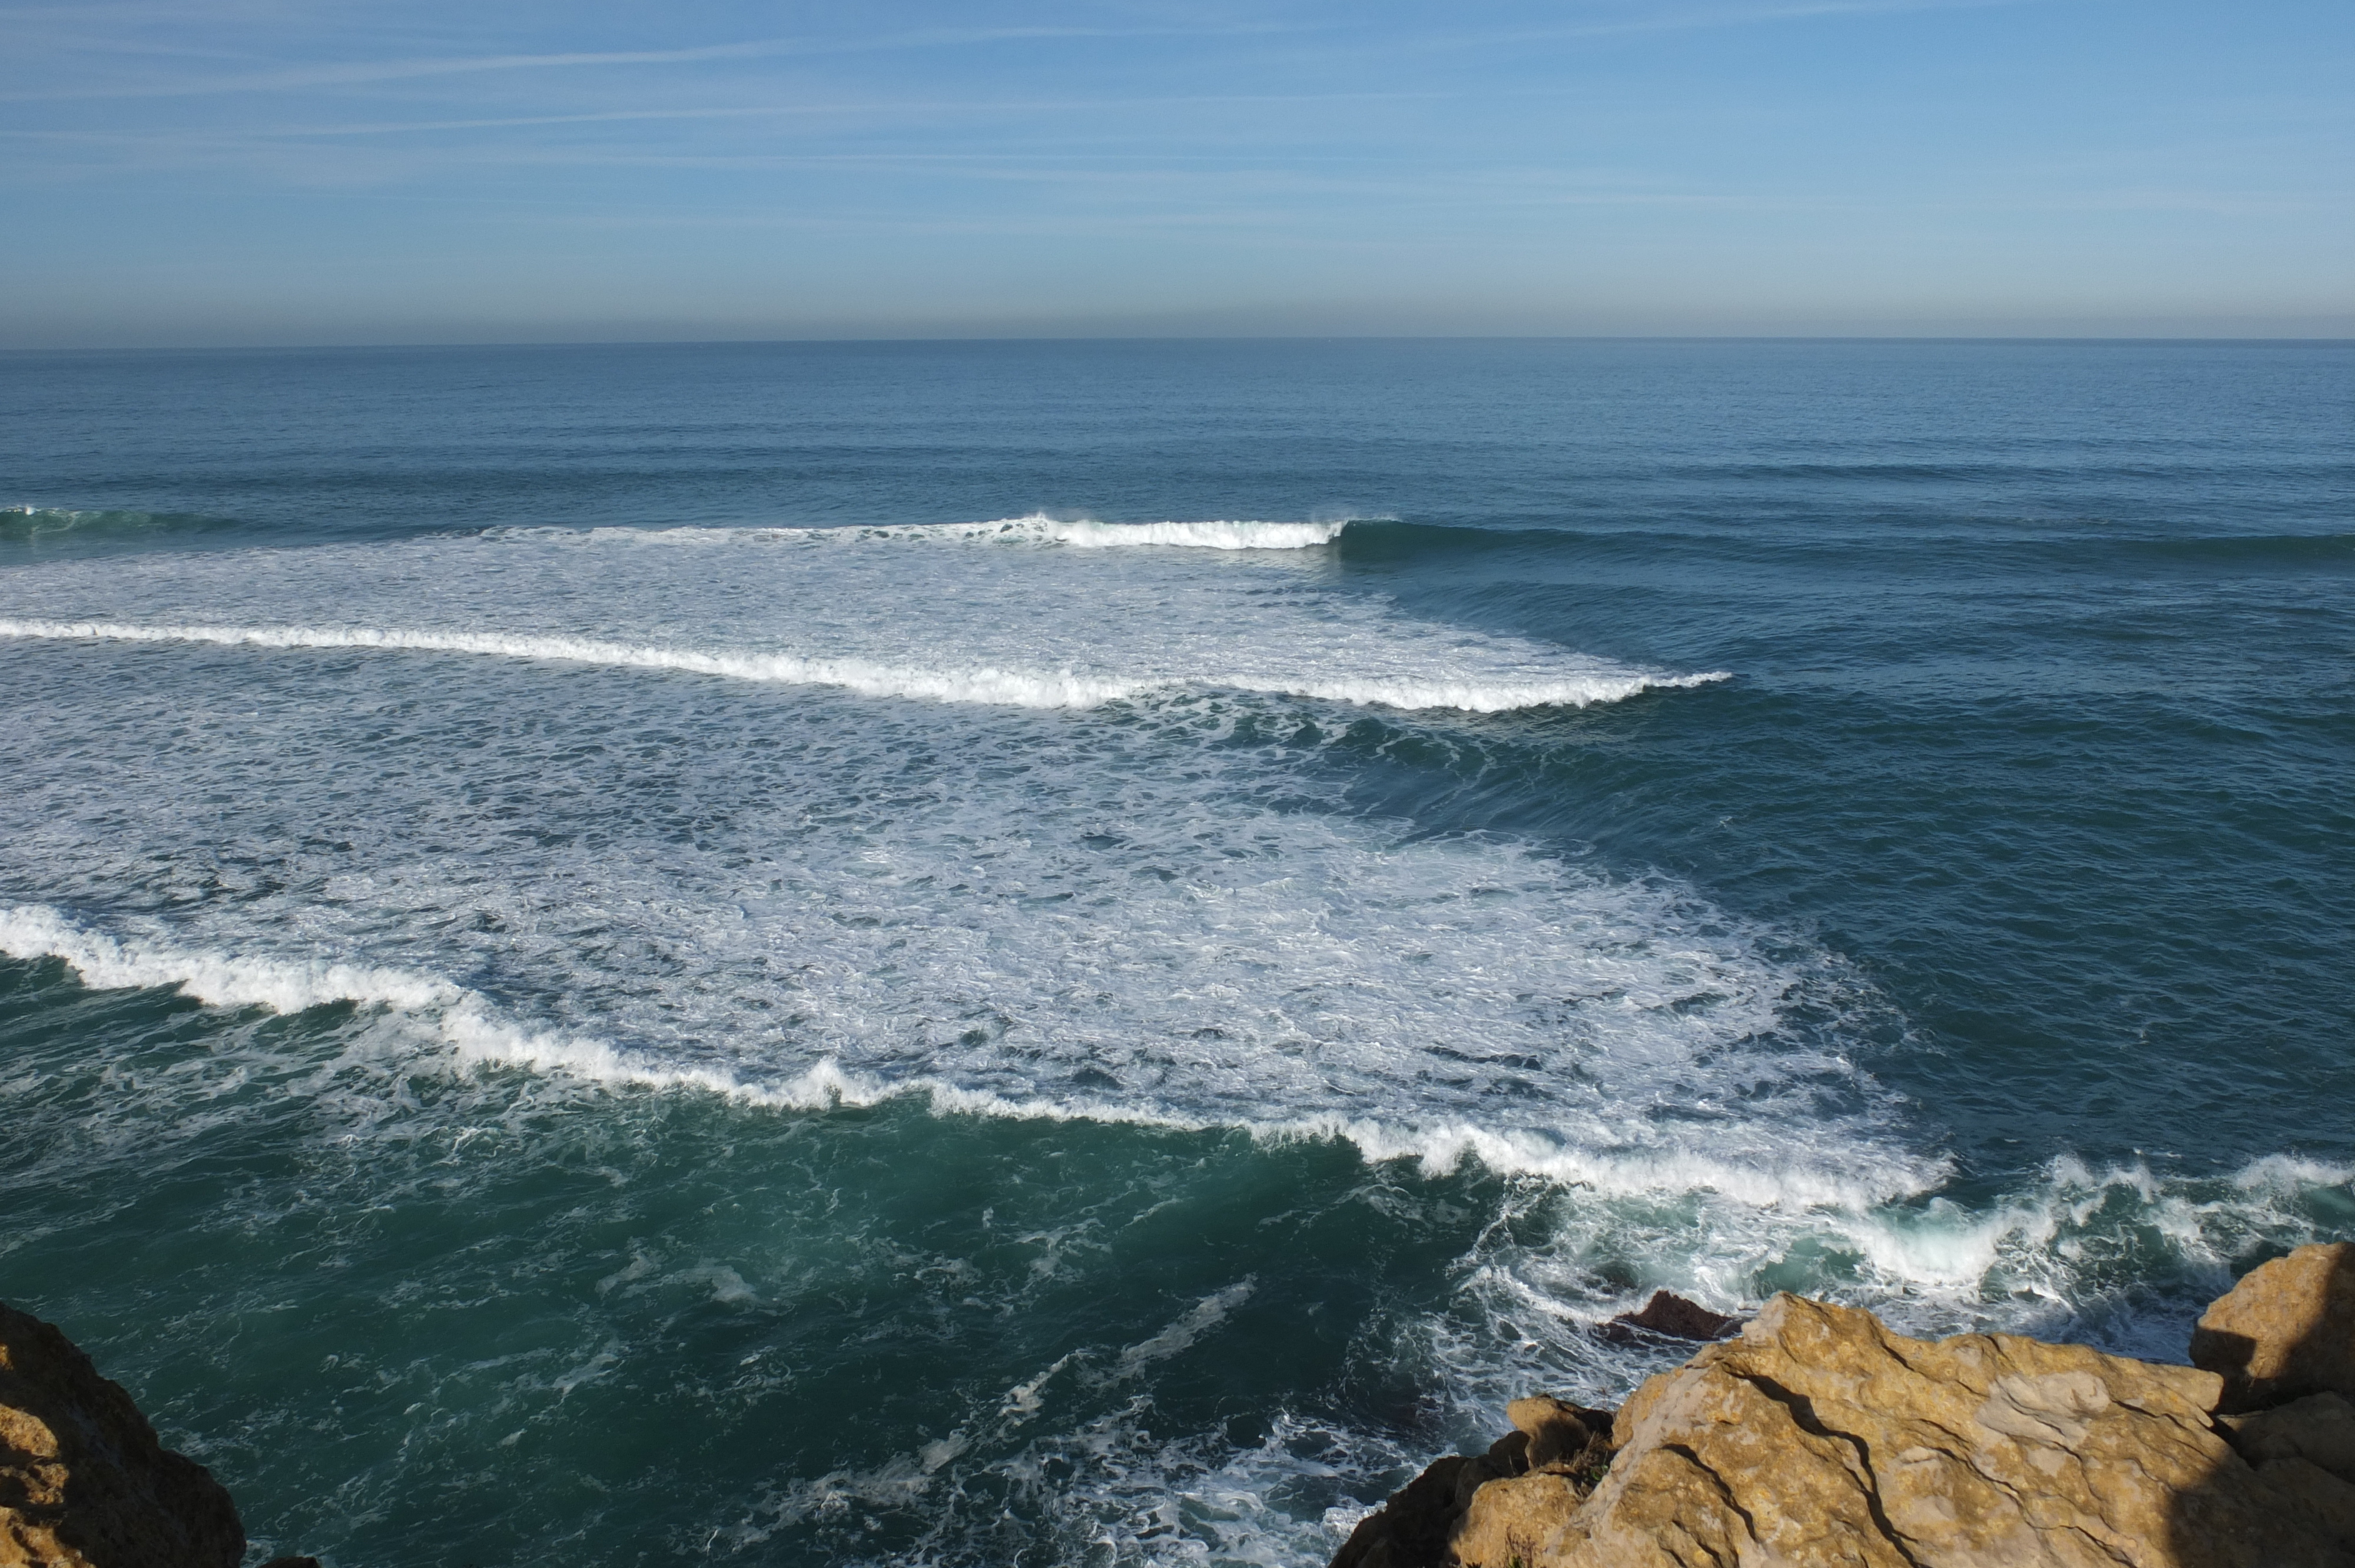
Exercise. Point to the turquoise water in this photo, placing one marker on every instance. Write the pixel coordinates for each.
(1084, 953)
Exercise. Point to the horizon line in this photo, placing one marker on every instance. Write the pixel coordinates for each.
(937, 339)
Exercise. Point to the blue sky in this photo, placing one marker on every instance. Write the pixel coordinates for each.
(269, 171)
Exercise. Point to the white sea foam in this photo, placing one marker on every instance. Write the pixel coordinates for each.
(1017, 688)
(1719, 1204)
(1014, 688)
(1472, 696)
(1034, 529)
(107, 963)
(464, 1020)
(476, 1032)
(1233, 607)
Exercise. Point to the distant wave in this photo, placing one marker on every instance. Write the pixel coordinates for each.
(985, 684)
(1034, 529)
(1489, 697)
(1005, 687)
(40, 522)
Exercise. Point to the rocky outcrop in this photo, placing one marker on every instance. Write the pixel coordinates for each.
(1561, 1448)
(2285, 1330)
(1821, 1437)
(1554, 1456)
(83, 1481)
(1669, 1317)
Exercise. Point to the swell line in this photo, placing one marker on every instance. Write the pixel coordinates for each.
(1019, 688)
(1217, 533)
(984, 684)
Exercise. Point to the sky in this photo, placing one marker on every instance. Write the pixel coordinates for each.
(232, 172)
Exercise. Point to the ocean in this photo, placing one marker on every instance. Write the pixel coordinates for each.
(1086, 953)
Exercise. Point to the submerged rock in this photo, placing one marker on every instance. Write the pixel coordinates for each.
(83, 1481)
(2287, 1329)
(1671, 1317)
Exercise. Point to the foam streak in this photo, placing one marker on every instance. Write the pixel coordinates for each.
(984, 684)
(468, 1024)
(1034, 529)
(1007, 687)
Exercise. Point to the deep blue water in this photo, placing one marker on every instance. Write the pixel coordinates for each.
(595, 974)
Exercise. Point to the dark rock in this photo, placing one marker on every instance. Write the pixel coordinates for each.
(1411, 1531)
(2319, 1429)
(1671, 1317)
(1511, 1451)
(83, 1481)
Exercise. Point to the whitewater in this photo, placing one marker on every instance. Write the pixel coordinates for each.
(1099, 973)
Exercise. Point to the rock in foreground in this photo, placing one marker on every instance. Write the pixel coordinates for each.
(2285, 1330)
(83, 1481)
(1820, 1438)
(1559, 1447)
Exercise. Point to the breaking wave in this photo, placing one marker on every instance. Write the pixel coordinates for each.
(471, 1027)
(985, 684)
(1034, 529)
(1929, 1262)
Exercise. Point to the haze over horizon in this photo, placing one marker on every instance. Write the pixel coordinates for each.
(262, 171)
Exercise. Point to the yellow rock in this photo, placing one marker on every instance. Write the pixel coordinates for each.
(1820, 1438)
(2287, 1328)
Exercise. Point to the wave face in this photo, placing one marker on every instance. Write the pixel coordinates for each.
(45, 529)
(632, 990)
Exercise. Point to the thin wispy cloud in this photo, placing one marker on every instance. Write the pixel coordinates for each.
(1679, 21)
(1159, 152)
(358, 73)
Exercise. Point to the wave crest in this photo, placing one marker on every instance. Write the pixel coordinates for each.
(1036, 528)
(980, 684)
(472, 1028)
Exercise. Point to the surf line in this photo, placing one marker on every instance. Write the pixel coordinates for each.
(982, 684)
(1017, 688)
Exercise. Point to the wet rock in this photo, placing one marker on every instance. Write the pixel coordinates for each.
(83, 1481)
(1821, 1437)
(1671, 1317)
(2285, 1330)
